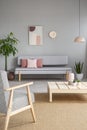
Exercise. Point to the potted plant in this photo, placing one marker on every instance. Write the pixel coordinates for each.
(7, 46)
(78, 68)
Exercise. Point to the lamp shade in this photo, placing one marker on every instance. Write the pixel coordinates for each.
(79, 39)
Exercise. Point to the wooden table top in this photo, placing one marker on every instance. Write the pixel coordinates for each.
(64, 86)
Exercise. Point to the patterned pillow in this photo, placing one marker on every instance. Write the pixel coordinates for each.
(39, 63)
(23, 63)
(32, 63)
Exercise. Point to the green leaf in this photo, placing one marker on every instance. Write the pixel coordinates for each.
(78, 67)
(7, 46)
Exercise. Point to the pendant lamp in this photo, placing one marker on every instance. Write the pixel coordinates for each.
(79, 39)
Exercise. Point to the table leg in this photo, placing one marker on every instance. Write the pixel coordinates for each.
(50, 96)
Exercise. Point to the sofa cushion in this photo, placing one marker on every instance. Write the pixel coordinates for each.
(31, 63)
(39, 63)
(23, 63)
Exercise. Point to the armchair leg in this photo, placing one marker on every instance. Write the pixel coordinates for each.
(7, 121)
(33, 113)
(9, 110)
(30, 102)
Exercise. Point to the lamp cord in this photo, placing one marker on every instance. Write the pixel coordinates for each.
(79, 17)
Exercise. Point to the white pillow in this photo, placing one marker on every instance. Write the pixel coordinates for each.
(31, 63)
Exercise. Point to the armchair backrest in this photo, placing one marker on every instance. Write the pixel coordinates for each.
(4, 95)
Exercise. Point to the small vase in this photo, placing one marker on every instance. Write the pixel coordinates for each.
(71, 77)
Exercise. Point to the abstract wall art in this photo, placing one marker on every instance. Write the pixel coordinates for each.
(35, 35)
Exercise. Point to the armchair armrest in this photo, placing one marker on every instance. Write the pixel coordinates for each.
(18, 86)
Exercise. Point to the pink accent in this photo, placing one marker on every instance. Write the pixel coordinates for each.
(32, 63)
(38, 40)
(23, 63)
(39, 63)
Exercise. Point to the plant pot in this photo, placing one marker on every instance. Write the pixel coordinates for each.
(79, 76)
(11, 76)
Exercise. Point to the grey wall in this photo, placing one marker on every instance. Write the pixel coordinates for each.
(58, 15)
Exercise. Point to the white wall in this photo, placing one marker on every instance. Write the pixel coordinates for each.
(58, 15)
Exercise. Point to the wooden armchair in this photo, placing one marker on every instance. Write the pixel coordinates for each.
(14, 101)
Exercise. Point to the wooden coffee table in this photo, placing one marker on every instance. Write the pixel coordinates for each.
(63, 87)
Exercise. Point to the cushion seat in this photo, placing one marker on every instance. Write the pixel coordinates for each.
(43, 70)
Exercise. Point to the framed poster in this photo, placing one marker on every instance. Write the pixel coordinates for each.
(35, 35)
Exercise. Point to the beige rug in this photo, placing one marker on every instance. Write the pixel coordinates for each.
(66, 112)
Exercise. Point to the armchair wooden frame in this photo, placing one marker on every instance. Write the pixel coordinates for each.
(29, 106)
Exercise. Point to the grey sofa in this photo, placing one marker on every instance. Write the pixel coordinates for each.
(51, 65)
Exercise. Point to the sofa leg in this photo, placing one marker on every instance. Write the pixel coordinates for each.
(19, 76)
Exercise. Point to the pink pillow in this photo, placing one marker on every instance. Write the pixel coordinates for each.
(39, 63)
(32, 63)
(23, 63)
